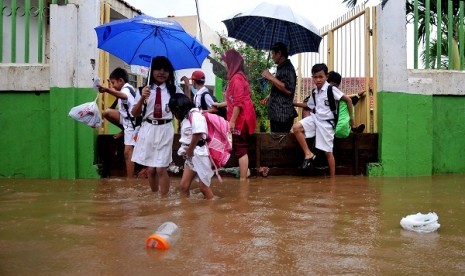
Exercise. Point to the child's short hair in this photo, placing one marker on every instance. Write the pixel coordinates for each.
(280, 47)
(334, 77)
(180, 105)
(119, 73)
(320, 67)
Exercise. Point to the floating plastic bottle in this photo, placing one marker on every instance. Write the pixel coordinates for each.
(165, 236)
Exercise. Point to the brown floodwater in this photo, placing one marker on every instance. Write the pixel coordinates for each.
(269, 226)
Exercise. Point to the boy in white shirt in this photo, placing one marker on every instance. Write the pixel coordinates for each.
(320, 122)
(122, 118)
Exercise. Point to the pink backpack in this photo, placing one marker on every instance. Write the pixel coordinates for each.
(219, 140)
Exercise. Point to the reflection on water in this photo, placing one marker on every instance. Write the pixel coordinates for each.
(272, 226)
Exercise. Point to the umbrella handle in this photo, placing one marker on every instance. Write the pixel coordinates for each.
(268, 60)
(148, 75)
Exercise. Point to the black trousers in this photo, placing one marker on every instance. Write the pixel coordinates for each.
(276, 126)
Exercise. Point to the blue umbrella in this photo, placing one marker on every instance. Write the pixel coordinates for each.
(137, 40)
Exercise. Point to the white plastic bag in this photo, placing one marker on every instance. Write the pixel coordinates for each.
(87, 113)
(421, 223)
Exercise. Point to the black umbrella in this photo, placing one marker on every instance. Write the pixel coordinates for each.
(266, 24)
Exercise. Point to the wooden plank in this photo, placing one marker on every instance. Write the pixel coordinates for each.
(279, 152)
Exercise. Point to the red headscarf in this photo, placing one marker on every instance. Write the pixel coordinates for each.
(234, 61)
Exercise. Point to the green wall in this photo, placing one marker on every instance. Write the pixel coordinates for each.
(420, 135)
(40, 140)
(25, 127)
(449, 134)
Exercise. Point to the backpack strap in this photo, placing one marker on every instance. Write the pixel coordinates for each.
(314, 99)
(207, 141)
(126, 106)
(113, 105)
(203, 102)
(332, 106)
(332, 102)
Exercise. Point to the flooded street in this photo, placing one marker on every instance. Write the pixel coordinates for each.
(270, 226)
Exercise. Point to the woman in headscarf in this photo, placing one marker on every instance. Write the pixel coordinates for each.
(241, 113)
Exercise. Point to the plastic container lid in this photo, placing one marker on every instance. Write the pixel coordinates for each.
(157, 241)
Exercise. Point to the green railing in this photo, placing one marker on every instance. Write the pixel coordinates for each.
(445, 18)
(32, 15)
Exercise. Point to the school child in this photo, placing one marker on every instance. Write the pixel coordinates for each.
(193, 145)
(126, 97)
(155, 139)
(198, 81)
(318, 124)
(334, 78)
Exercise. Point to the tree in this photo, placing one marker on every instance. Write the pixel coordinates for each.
(255, 62)
(443, 26)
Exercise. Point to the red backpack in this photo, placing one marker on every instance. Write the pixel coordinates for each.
(219, 140)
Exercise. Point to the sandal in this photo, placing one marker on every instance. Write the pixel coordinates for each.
(307, 162)
(358, 129)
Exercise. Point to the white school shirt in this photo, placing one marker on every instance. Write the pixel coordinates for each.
(165, 98)
(130, 100)
(323, 110)
(198, 98)
(199, 125)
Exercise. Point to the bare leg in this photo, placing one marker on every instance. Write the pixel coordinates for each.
(153, 179)
(331, 164)
(243, 167)
(113, 116)
(300, 137)
(163, 180)
(186, 181)
(206, 191)
(127, 158)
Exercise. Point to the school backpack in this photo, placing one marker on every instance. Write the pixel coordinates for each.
(135, 121)
(341, 114)
(219, 140)
(203, 104)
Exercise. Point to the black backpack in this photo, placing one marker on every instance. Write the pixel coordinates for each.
(341, 114)
(135, 121)
(333, 104)
(222, 111)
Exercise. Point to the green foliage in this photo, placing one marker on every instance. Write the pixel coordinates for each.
(255, 62)
(443, 26)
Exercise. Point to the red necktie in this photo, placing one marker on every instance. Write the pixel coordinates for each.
(157, 109)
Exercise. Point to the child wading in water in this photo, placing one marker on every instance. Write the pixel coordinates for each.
(193, 145)
(124, 92)
(155, 140)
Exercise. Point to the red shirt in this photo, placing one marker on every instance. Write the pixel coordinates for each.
(238, 94)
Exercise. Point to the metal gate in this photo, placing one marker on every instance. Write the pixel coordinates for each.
(348, 47)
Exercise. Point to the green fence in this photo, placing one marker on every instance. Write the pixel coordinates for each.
(439, 33)
(22, 30)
